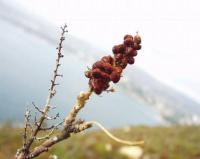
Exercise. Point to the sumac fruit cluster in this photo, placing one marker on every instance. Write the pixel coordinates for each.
(110, 68)
(124, 53)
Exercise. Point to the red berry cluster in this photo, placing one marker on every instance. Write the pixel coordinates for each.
(124, 53)
(110, 68)
(102, 73)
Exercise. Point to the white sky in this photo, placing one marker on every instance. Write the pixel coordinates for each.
(170, 31)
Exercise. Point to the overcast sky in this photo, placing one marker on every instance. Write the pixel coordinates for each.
(169, 29)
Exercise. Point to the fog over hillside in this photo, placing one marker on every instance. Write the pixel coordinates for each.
(27, 58)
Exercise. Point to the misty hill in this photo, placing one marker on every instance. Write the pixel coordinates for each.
(27, 59)
(173, 106)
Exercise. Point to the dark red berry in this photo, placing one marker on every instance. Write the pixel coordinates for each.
(128, 42)
(118, 48)
(118, 57)
(123, 65)
(98, 64)
(105, 76)
(137, 46)
(108, 59)
(128, 36)
(131, 60)
(115, 77)
(96, 73)
(106, 86)
(97, 90)
(130, 51)
(118, 70)
(107, 68)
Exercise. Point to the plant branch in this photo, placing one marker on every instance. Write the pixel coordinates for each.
(70, 126)
(80, 103)
(102, 73)
(51, 94)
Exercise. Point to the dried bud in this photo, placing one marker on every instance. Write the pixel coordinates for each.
(137, 39)
(88, 74)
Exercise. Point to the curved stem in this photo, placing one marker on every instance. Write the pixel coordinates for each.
(135, 143)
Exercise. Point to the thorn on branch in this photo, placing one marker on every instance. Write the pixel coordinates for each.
(60, 55)
(52, 118)
(56, 84)
(59, 75)
(52, 82)
(37, 108)
(52, 107)
(62, 38)
(53, 93)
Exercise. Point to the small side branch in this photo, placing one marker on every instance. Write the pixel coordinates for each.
(37, 108)
(52, 128)
(64, 134)
(26, 125)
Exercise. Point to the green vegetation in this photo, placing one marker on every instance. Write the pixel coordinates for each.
(177, 142)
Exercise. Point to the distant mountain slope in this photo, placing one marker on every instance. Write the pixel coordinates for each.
(172, 105)
(27, 57)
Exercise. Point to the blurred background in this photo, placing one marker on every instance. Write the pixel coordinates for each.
(157, 98)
